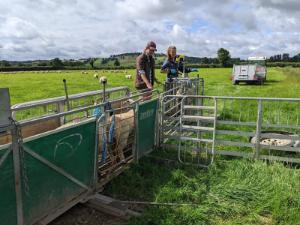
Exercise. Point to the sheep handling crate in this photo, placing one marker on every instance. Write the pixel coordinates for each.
(55, 154)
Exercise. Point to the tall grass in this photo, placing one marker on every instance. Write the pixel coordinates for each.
(229, 192)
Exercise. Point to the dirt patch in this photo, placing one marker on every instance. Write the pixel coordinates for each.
(81, 215)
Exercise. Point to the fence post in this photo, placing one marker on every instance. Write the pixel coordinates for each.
(158, 124)
(60, 109)
(17, 172)
(258, 129)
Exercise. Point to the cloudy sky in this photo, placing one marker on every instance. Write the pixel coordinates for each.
(45, 29)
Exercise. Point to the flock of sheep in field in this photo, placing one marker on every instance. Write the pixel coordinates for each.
(96, 73)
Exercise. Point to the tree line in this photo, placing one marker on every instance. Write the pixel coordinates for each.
(127, 60)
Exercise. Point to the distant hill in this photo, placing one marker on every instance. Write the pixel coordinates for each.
(128, 60)
(124, 60)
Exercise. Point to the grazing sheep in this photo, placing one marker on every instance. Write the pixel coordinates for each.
(128, 76)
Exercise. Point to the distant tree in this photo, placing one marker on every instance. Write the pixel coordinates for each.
(285, 57)
(224, 56)
(4, 63)
(92, 62)
(205, 60)
(104, 61)
(57, 63)
(117, 63)
(296, 58)
(42, 64)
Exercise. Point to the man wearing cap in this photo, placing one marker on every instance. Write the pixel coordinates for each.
(145, 69)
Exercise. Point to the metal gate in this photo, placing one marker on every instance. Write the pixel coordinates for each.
(170, 102)
(204, 126)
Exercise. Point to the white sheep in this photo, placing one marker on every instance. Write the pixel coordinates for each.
(123, 127)
(128, 76)
(124, 124)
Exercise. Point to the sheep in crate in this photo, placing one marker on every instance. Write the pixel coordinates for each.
(118, 133)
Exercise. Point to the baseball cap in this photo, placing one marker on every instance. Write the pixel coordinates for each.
(151, 45)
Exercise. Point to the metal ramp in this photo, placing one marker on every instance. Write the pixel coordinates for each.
(197, 131)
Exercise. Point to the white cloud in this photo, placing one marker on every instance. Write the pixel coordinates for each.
(43, 29)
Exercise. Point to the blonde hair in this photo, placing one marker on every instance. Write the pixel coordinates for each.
(170, 48)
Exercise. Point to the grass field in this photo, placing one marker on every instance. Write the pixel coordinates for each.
(29, 86)
(232, 191)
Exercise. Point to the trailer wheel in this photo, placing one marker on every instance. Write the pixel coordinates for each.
(276, 141)
(235, 82)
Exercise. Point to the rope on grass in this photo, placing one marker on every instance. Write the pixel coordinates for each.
(159, 203)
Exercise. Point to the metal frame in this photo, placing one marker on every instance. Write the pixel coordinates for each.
(257, 133)
(63, 101)
(170, 88)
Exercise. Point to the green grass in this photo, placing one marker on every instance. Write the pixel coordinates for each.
(29, 86)
(232, 191)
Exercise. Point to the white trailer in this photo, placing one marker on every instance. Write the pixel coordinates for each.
(254, 71)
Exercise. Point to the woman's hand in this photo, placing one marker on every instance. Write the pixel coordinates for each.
(149, 86)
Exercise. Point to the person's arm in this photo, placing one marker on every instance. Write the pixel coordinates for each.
(165, 67)
(144, 78)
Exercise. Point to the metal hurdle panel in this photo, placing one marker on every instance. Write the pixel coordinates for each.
(50, 106)
(170, 102)
(46, 107)
(208, 125)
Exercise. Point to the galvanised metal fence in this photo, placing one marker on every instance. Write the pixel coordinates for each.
(50, 106)
(204, 126)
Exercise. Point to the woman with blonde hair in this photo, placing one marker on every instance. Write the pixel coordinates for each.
(170, 66)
